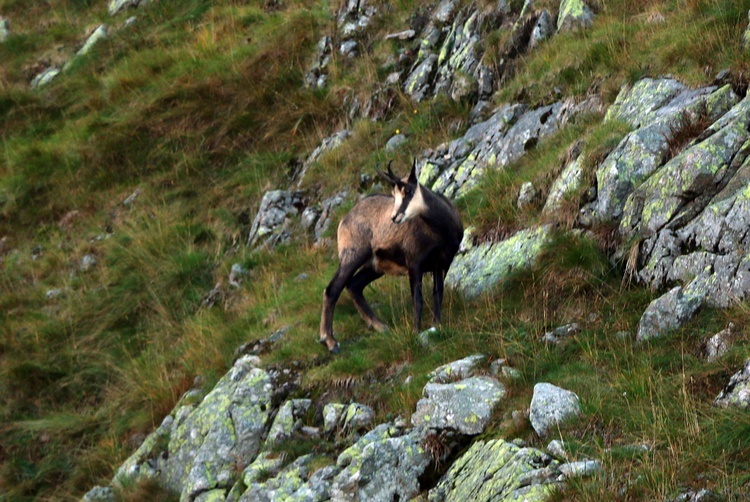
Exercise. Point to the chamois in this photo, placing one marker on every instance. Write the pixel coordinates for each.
(412, 232)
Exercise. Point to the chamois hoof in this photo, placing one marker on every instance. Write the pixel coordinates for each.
(333, 350)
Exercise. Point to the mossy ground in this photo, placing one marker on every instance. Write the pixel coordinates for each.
(201, 107)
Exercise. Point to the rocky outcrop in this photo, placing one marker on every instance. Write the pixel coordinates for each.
(116, 6)
(272, 222)
(670, 311)
(496, 471)
(505, 137)
(45, 77)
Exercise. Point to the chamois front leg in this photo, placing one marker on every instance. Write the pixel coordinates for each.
(350, 262)
(438, 280)
(415, 281)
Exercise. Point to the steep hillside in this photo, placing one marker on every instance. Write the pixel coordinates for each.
(172, 175)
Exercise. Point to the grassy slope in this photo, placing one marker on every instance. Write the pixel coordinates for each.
(200, 105)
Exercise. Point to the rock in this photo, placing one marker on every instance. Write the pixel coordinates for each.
(332, 413)
(310, 217)
(456, 370)
(99, 494)
(654, 109)
(401, 35)
(270, 225)
(427, 337)
(88, 262)
(327, 208)
(560, 333)
(556, 447)
(551, 405)
(719, 344)
(417, 84)
(395, 142)
(115, 6)
(53, 294)
(702, 495)
(315, 78)
(526, 195)
(357, 417)
(130, 199)
(574, 14)
(454, 168)
(288, 420)
(496, 471)
(99, 34)
(327, 145)
(465, 406)
(236, 274)
(383, 465)
(737, 391)
(580, 469)
(45, 77)
(210, 441)
(4, 29)
(348, 49)
(138, 466)
(669, 312)
(486, 265)
(567, 184)
(293, 482)
(543, 29)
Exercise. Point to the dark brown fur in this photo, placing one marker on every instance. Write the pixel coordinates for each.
(371, 244)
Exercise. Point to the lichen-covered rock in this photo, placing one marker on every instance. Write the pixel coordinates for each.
(293, 482)
(551, 405)
(465, 406)
(332, 414)
(543, 29)
(288, 420)
(526, 195)
(737, 391)
(574, 14)
(384, 465)
(655, 109)
(569, 182)
(137, 466)
(672, 310)
(454, 168)
(719, 344)
(496, 471)
(210, 441)
(417, 84)
(270, 225)
(357, 417)
(457, 370)
(99, 494)
(484, 266)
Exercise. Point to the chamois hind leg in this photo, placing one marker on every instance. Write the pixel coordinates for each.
(350, 262)
(356, 286)
(415, 281)
(438, 285)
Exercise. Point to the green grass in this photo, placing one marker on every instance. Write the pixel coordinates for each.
(201, 107)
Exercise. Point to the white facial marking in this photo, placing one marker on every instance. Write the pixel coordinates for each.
(416, 207)
(399, 198)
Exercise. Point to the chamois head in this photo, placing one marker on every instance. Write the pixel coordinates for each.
(407, 194)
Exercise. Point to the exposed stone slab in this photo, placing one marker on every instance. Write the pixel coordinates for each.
(574, 14)
(671, 310)
(496, 471)
(465, 406)
(456, 370)
(270, 225)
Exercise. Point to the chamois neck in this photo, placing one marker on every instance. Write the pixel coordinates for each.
(438, 212)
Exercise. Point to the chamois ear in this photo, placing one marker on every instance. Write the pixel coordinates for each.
(413, 173)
